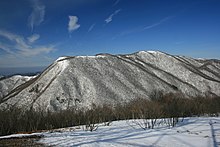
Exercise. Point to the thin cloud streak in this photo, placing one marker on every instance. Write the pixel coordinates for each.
(109, 19)
(33, 38)
(142, 28)
(116, 2)
(91, 27)
(6, 48)
(18, 40)
(72, 26)
(20, 47)
(37, 15)
(158, 23)
(37, 50)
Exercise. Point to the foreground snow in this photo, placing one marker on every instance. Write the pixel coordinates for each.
(193, 132)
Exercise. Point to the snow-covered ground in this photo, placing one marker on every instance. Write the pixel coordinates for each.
(193, 132)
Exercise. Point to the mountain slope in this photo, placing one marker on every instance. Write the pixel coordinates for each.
(8, 84)
(82, 80)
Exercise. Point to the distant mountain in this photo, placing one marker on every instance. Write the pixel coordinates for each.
(25, 71)
(10, 83)
(80, 81)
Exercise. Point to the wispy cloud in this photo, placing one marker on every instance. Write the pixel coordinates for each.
(37, 15)
(109, 19)
(73, 23)
(130, 31)
(158, 23)
(6, 48)
(37, 50)
(33, 38)
(116, 2)
(19, 46)
(142, 28)
(18, 40)
(91, 27)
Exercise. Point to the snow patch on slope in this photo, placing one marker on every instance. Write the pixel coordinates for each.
(63, 64)
(153, 52)
(61, 58)
(98, 56)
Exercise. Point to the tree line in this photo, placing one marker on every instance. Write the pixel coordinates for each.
(159, 105)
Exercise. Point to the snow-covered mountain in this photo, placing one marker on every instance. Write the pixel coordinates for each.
(80, 81)
(8, 84)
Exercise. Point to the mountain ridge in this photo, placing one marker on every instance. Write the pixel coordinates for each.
(80, 81)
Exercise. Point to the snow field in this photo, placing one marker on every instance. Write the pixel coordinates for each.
(192, 132)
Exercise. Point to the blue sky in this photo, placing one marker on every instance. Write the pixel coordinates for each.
(36, 32)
